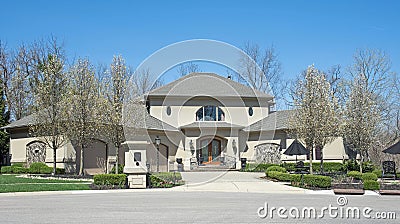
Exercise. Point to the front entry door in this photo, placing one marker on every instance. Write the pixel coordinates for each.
(210, 151)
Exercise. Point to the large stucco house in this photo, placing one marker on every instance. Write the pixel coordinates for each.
(202, 118)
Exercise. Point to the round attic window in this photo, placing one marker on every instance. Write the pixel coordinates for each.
(168, 110)
(251, 111)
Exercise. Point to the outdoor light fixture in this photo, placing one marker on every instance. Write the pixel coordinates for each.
(191, 147)
(158, 142)
(234, 146)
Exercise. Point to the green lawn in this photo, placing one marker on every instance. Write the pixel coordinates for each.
(12, 183)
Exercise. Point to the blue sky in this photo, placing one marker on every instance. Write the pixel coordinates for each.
(323, 33)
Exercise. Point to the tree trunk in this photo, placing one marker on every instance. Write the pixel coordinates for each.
(311, 159)
(116, 158)
(322, 161)
(81, 162)
(54, 160)
(361, 162)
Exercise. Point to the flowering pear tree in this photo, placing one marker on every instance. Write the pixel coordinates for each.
(49, 103)
(83, 104)
(316, 119)
(115, 87)
(367, 109)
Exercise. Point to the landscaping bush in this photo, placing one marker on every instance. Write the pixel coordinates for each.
(262, 167)
(377, 172)
(369, 176)
(368, 167)
(109, 179)
(276, 168)
(355, 174)
(329, 167)
(351, 165)
(19, 164)
(60, 170)
(120, 169)
(40, 168)
(19, 170)
(14, 169)
(165, 179)
(317, 181)
(169, 176)
(279, 176)
(296, 179)
(290, 167)
(6, 169)
(371, 185)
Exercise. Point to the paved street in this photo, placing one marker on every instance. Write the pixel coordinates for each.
(150, 206)
(208, 197)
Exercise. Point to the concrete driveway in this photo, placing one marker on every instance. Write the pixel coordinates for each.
(233, 181)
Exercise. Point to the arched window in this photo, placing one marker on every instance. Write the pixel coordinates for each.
(210, 113)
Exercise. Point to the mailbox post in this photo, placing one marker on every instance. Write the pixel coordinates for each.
(135, 164)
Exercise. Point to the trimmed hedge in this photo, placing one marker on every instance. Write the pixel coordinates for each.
(311, 181)
(371, 185)
(296, 179)
(276, 168)
(14, 169)
(40, 168)
(35, 168)
(329, 167)
(169, 176)
(317, 181)
(279, 176)
(165, 179)
(109, 179)
(355, 174)
(19, 164)
(262, 167)
(369, 176)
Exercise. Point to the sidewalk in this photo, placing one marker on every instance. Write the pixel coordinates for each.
(233, 181)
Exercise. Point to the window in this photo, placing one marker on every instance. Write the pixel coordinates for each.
(251, 111)
(169, 111)
(210, 113)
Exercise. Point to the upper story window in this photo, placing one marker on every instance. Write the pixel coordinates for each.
(169, 111)
(210, 113)
(251, 112)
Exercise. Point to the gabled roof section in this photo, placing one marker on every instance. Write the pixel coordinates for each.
(153, 123)
(23, 122)
(139, 118)
(207, 84)
(148, 122)
(277, 120)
